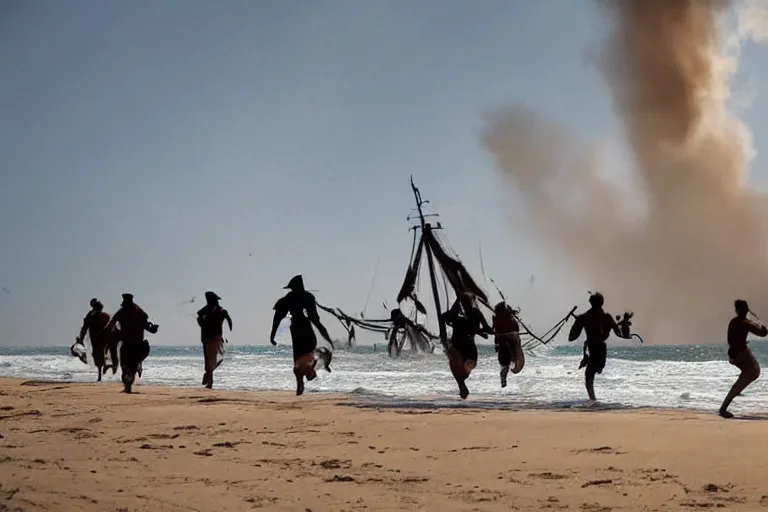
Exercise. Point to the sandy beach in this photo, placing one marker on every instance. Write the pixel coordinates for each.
(67, 446)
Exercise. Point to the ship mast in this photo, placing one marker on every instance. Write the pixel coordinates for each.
(425, 227)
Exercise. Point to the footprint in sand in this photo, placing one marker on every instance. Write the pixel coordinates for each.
(155, 446)
(230, 444)
(548, 476)
(33, 412)
(552, 503)
(163, 436)
(607, 450)
(595, 507)
(340, 478)
(333, 464)
(79, 432)
(592, 483)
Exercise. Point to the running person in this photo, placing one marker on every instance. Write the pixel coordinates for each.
(507, 340)
(739, 354)
(467, 322)
(598, 326)
(302, 306)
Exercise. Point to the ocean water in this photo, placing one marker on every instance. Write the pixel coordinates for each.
(686, 377)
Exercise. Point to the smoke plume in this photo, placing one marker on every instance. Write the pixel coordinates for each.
(698, 239)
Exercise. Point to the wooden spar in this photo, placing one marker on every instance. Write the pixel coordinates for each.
(431, 265)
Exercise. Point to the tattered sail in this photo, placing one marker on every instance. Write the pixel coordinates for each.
(454, 271)
(455, 277)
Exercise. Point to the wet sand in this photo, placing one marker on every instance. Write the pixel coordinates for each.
(89, 447)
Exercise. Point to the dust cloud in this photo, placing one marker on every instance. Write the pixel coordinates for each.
(689, 235)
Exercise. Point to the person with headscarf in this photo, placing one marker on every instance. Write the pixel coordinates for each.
(467, 322)
(598, 326)
(507, 340)
(211, 321)
(739, 353)
(302, 307)
(94, 324)
(134, 349)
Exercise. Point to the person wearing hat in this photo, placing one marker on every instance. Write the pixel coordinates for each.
(95, 323)
(302, 306)
(598, 326)
(133, 322)
(211, 321)
(739, 354)
(467, 322)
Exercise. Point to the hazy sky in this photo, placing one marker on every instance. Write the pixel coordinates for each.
(166, 148)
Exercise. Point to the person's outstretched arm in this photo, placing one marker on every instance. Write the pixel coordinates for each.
(114, 320)
(281, 309)
(84, 328)
(756, 328)
(314, 317)
(486, 329)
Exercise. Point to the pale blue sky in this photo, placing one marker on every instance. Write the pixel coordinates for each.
(149, 147)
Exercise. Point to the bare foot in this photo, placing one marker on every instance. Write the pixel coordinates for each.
(725, 414)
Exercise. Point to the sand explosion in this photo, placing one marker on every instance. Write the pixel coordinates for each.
(701, 239)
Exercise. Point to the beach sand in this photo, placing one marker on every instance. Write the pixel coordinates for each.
(66, 446)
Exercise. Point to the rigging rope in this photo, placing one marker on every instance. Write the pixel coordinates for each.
(375, 272)
(549, 335)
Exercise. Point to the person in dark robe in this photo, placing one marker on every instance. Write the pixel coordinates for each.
(507, 340)
(598, 326)
(134, 349)
(399, 323)
(467, 322)
(94, 324)
(302, 307)
(739, 353)
(625, 324)
(211, 319)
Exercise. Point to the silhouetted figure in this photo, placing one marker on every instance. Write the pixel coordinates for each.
(598, 326)
(413, 332)
(625, 324)
(739, 353)
(507, 340)
(399, 323)
(302, 306)
(211, 319)
(467, 322)
(102, 340)
(350, 334)
(135, 349)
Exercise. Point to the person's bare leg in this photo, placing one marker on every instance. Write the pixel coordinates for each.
(99, 377)
(459, 372)
(113, 355)
(589, 380)
(744, 380)
(211, 350)
(206, 365)
(299, 381)
(504, 372)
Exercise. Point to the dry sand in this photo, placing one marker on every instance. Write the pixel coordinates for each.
(69, 447)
